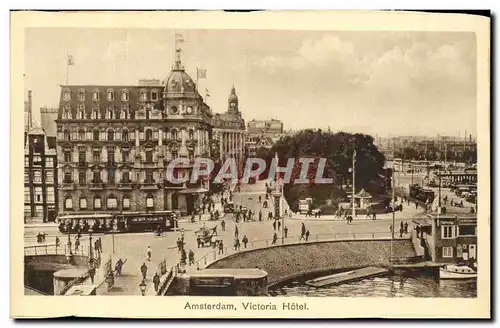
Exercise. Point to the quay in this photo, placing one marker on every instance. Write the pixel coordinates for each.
(346, 277)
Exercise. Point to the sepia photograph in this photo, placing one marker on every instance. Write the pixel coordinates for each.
(250, 171)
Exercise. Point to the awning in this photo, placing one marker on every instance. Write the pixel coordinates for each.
(193, 191)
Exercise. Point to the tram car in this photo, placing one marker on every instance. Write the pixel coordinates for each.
(421, 194)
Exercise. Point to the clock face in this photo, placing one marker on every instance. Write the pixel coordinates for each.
(189, 110)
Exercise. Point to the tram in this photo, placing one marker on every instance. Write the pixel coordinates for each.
(421, 194)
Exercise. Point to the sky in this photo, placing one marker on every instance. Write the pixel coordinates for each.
(375, 82)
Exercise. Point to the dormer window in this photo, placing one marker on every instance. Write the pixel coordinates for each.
(143, 95)
(67, 112)
(125, 95)
(154, 95)
(81, 95)
(66, 95)
(110, 95)
(95, 95)
(81, 111)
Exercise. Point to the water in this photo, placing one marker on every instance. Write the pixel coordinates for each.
(388, 286)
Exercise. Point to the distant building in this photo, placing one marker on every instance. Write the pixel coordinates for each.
(229, 131)
(40, 178)
(269, 128)
(48, 118)
(28, 112)
(255, 143)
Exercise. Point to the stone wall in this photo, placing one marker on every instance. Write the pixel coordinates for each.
(289, 261)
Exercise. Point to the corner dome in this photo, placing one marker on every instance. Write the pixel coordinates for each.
(179, 82)
(232, 96)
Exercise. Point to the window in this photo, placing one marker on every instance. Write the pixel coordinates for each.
(174, 134)
(81, 134)
(37, 160)
(149, 176)
(67, 95)
(81, 95)
(126, 177)
(112, 203)
(97, 203)
(143, 95)
(126, 202)
(111, 176)
(82, 178)
(50, 194)
(83, 203)
(49, 177)
(175, 155)
(96, 177)
(154, 95)
(67, 156)
(68, 177)
(447, 251)
(191, 134)
(95, 112)
(67, 112)
(110, 95)
(149, 135)
(125, 96)
(96, 156)
(95, 95)
(68, 203)
(26, 161)
(81, 111)
(26, 176)
(109, 112)
(95, 135)
(447, 231)
(26, 194)
(111, 135)
(149, 202)
(149, 156)
(124, 112)
(67, 135)
(124, 156)
(81, 156)
(191, 156)
(468, 230)
(111, 155)
(49, 162)
(37, 177)
(38, 194)
(125, 135)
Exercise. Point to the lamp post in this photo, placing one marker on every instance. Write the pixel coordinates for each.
(90, 243)
(143, 287)
(68, 252)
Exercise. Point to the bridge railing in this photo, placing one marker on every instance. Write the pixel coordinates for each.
(217, 253)
(52, 249)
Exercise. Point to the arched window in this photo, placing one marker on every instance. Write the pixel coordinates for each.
(67, 135)
(66, 95)
(125, 95)
(95, 95)
(95, 112)
(81, 111)
(95, 135)
(154, 95)
(191, 134)
(124, 112)
(81, 95)
(143, 95)
(81, 134)
(149, 135)
(150, 202)
(110, 95)
(109, 112)
(68, 203)
(67, 112)
(125, 135)
(174, 134)
(111, 135)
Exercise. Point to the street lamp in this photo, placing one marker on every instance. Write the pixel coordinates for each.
(143, 287)
(90, 242)
(69, 253)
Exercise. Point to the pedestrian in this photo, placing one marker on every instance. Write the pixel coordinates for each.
(406, 227)
(236, 244)
(144, 271)
(307, 235)
(118, 267)
(221, 247)
(179, 245)
(191, 257)
(149, 253)
(223, 225)
(302, 231)
(279, 225)
(260, 215)
(198, 240)
(58, 243)
(199, 217)
(77, 245)
(270, 215)
(260, 199)
(245, 241)
(401, 230)
(374, 216)
(286, 231)
(401, 225)
(203, 208)
(156, 281)
(236, 233)
(416, 205)
(401, 207)
(408, 201)
(183, 257)
(417, 228)
(274, 225)
(275, 238)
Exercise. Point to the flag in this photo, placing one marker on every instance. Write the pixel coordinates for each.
(70, 60)
(201, 73)
(179, 38)
(207, 94)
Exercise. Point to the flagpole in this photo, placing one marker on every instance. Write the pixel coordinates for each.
(196, 86)
(67, 66)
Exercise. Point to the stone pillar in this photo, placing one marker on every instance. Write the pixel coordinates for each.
(220, 145)
(160, 137)
(137, 137)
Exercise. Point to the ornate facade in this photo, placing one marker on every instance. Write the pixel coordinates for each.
(229, 131)
(114, 144)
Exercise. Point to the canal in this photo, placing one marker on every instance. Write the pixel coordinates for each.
(401, 285)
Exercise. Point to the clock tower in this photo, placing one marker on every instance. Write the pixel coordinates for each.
(232, 102)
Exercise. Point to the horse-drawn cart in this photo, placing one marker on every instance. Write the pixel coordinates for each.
(206, 236)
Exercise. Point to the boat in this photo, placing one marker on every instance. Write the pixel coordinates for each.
(457, 271)
(346, 277)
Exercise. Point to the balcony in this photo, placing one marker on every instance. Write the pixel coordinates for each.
(96, 185)
(82, 164)
(125, 185)
(67, 185)
(149, 185)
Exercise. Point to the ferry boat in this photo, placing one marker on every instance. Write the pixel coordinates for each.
(457, 271)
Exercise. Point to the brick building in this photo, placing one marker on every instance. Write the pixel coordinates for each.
(114, 144)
